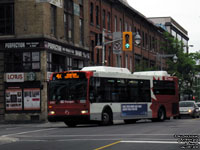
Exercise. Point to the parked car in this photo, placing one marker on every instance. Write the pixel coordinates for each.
(198, 104)
(189, 108)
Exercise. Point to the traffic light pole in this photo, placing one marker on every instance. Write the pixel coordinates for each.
(104, 44)
(128, 41)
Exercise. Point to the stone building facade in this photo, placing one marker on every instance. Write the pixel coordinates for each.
(36, 39)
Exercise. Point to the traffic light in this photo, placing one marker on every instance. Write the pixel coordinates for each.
(127, 41)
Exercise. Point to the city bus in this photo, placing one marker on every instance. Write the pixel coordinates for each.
(104, 94)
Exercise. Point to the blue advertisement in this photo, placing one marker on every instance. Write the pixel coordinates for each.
(134, 109)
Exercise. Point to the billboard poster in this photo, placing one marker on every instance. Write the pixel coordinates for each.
(14, 99)
(134, 109)
(32, 99)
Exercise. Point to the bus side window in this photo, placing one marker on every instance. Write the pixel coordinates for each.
(92, 90)
(133, 91)
(144, 91)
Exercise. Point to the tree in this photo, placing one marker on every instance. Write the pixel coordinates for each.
(185, 68)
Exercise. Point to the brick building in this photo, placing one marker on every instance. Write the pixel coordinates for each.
(118, 16)
(37, 39)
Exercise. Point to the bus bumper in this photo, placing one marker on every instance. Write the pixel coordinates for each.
(78, 118)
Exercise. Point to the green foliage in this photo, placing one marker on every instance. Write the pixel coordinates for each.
(185, 68)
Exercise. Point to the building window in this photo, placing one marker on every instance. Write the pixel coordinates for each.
(143, 39)
(120, 25)
(126, 61)
(81, 31)
(53, 20)
(115, 23)
(31, 61)
(126, 26)
(97, 15)
(77, 64)
(146, 41)
(6, 19)
(108, 20)
(150, 42)
(22, 61)
(104, 18)
(130, 28)
(68, 20)
(92, 51)
(91, 13)
(55, 62)
(131, 66)
(81, 25)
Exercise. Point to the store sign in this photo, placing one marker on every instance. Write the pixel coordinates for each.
(53, 46)
(31, 76)
(59, 48)
(13, 45)
(14, 77)
(58, 3)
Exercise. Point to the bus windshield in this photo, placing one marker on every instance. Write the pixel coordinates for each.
(71, 89)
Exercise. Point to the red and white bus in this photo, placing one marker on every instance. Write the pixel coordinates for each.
(103, 94)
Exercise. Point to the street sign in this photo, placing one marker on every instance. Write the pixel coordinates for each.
(117, 46)
(58, 3)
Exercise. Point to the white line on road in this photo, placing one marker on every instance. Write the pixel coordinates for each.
(20, 133)
(154, 142)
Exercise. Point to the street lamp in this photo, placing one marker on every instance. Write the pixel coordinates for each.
(175, 58)
(137, 38)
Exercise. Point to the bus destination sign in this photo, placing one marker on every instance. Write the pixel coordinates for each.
(68, 75)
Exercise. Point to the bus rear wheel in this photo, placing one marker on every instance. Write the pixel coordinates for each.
(107, 118)
(161, 114)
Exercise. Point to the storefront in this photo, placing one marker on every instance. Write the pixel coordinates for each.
(28, 65)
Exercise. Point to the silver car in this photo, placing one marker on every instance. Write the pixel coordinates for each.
(189, 108)
(198, 104)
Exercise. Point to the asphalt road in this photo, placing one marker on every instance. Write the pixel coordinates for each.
(143, 135)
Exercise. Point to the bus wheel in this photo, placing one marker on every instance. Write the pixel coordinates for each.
(106, 118)
(161, 114)
(70, 124)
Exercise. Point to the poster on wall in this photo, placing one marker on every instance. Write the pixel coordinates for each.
(14, 99)
(32, 99)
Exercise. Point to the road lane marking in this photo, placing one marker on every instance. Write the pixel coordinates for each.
(152, 142)
(20, 133)
(106, 146)
(155, 142)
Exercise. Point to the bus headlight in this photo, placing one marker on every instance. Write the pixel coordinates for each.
(52, 112)
(189, 110)
(84, 111)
